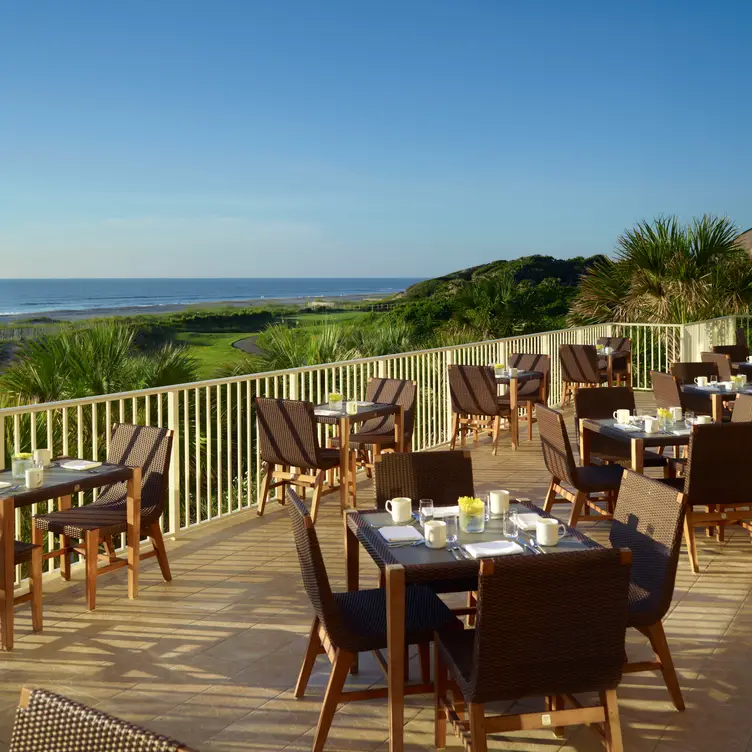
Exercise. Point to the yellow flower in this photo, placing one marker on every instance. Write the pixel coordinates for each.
(471, 506)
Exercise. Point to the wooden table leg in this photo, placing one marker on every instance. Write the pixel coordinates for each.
(344, 462)
(352, 569)
(610, 369)
(7, 570)
(399, 429)
(716, 403)
(638, 455)
(395, 630)
(133, 513)
(514, 418)
(584, 445)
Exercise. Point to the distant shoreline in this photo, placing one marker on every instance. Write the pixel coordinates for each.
(150, 310)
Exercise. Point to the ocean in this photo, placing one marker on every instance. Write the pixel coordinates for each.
(31, 297)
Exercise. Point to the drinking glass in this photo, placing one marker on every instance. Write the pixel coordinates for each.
(689, 418)
(451, 529)
(351, 407)
(425, 508)
(714, 379)
(509, 524)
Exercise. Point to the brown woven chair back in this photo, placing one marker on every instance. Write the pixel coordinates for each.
(686, 373)
(473, 390)
(441, 476)
(149, 448)
(742, 409)
(46, 722)
(722, 362)
(287, 432)
(741, 338)
(315, 578)
(737, 353)
(648, 520)
(599, 404)
(531, 362)
(617, 343)
(557, 451)
(391, 392)
(579, 364)
(718, 466)
(666, 390)
(568, 637)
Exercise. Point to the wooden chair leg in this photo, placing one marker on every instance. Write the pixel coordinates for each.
(331, 697)
(477, 715)
(548, 504)
(424, 655)
(614, 742)
(689, 537)
(529, 421)
(36, 589)
(268, 470)
(455, 429)
(577, 507)
(157, 540)
(658, 642)
(91, 544)
(439, 696)
(109, 548)
(472, 602)
(496, 431)
(316, 499)
(313, 649)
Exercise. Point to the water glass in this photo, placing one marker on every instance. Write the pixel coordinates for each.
(425, 508)
(714, 379)
(451, 529)
(689, 418)
(351, 407)
(510, 525)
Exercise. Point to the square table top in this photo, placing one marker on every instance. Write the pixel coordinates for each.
(60, 482)
(607, 427)
(424, 564)
(728, 394)
(521, 377)
(366, 410)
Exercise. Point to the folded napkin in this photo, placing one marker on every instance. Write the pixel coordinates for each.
(680, 431)
(626, 427)
(3, 484)
(439, 512)
(80, 465)
(400, 533)
(493, 548)
(724, 385)
(326, 411)
(366, 404)
(527, 521)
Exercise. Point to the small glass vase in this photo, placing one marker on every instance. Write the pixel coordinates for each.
(472, 522)
(19, 464)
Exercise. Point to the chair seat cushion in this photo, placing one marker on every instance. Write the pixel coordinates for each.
(363, 615)
(599, 478)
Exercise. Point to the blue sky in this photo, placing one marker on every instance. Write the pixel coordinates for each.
(368, 138)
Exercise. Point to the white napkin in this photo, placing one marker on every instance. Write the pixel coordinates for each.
(80, 465)
(728, 385)
(439, 512)
(400, 533)
(680, 431)
(527, 521)
(626, 427)
(326, 411)
(3, 484)
(366, 404)
(493, 548)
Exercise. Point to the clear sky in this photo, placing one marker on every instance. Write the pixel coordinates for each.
(360, 137)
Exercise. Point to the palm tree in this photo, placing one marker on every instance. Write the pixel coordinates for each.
(664, 272)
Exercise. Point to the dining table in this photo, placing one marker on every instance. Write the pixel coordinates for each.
(719, 393)
(632, 434)
(60, 483)
(344, 422)
(513, 381)
(405, 565)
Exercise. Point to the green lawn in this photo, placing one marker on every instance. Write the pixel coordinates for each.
(213, 350)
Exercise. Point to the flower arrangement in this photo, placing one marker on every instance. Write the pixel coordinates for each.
(472, 514)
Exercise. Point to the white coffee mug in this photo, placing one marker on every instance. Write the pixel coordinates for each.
(435, 533)
(651, 424)
(513, 372)
(701, 380)
(34, 477)
(621, 416)
(43, 457)
(499, 502)
(676, 414)
(549, 531)
(703, 420)
(400, 508)
(749, 358)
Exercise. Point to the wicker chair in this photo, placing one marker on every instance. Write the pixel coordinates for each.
(648, 521)
(290, 450)
(599, 404)
(145, 447)
(722, 362)
(568, 639)
(348, 623)
(741, 338)
(717, 481)
(441, 476)
(529, 393)
(622, 365)
(686, 373)
(475, 403)
(736, 353)
(742, 412)
(579, 366)
(46, 722)
(586, 481)
(377, 435)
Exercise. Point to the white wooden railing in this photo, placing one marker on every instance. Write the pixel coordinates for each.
(215, 464)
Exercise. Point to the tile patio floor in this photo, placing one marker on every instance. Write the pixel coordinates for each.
(211, 657)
